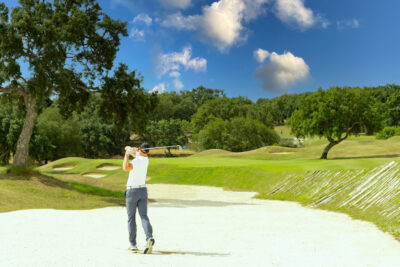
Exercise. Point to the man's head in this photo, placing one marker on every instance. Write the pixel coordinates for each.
(144, 149)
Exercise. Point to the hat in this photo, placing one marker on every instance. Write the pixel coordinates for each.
(144, 147)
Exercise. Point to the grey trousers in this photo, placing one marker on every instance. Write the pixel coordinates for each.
(137, 198)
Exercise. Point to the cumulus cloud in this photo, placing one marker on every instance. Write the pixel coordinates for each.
(159, 88)
(349, 23)
(260, 55)
(143, 18)
(137, 34)
(178, 84)
(172, 62)
(175, 74)
(293, 12)
(282, 71)
(180, 22)
(220, 23)
(180, 4)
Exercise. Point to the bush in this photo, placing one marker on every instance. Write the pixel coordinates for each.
(388, 132)
(238, 134)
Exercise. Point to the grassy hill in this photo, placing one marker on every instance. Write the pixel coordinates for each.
(360, 178)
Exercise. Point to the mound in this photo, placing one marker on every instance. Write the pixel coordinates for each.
(213, 153)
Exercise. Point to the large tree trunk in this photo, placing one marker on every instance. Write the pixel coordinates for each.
(22, 152)
(327, 148)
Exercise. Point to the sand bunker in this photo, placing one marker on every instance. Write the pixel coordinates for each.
(107, 167)
(196, 226)
(282, 153)
(63, 167)
(94, 175)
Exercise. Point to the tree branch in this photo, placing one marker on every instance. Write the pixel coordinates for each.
(4, 153)
(348, 131)
(87, 89)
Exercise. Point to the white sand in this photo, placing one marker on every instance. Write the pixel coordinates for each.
(282, 153)
(94, 175)
(64, 168)
(196, 226)
(108, 167)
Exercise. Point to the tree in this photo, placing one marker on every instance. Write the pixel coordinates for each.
(224, 108)
(101, 138)
(11, 121)
(335, 114)
(173, 106)
(237, 134)
(201, 95)
(68, 48)
(54, 137)
(165, 133)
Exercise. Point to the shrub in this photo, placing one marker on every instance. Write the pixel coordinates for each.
(388, 132)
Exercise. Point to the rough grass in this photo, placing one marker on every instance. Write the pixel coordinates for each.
(34, 190)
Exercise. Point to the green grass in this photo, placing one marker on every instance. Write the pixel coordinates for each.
(266, 171)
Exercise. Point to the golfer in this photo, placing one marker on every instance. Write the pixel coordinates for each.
(136, 194)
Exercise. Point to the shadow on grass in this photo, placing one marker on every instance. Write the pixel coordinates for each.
(114, 197)
(369, 157)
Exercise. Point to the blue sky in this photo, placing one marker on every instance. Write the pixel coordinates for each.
(259, 48)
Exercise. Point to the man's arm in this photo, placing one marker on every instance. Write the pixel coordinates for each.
(126, 166)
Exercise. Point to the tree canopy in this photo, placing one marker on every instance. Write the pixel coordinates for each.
(335, 114)
(68, 48)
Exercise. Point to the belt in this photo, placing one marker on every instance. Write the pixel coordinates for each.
(136, 186)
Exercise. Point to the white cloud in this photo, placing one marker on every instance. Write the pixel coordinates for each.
(175, 60)
(180, 4)
(178, 84)
(159, 88)
(254, 8)
(220, 23)
(143, 18)
(175, 74)
(260, 55)
(349, 23)
(137, 34)
(282, 71)
(180, 22)
(293, 12)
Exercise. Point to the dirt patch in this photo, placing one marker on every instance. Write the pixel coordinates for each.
(63, 167)
(94, 175)
(108, 167)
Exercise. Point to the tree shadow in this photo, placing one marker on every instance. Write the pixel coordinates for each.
(368, 157)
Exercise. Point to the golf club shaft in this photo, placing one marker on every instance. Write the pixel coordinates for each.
(159, 147)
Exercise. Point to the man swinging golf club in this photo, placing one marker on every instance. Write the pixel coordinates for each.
(136, 194)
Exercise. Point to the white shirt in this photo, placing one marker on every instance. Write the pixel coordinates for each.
(137, 176)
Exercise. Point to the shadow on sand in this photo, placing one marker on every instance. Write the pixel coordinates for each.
(163, 252)
(179, 203)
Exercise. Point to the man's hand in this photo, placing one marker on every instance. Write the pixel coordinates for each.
(130, 151)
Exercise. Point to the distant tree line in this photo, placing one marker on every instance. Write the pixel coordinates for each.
(204, 118)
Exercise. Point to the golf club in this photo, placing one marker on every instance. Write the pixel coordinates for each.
(159, 147)
(129, 151)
